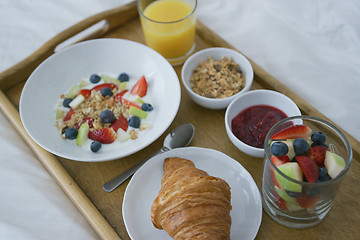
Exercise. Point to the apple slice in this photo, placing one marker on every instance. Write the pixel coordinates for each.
(334, 164)
(76, 101)
(122, 136)
(292, 170)
(282, 193)
(291, 151)
(293, 207)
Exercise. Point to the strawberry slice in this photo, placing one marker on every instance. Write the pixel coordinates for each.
(309, 168)
(129, 103)
(280, 160)
(317, 154)
(101, 86)
(103, 135)
(306, 201)
(89, 120)
(119, 96)
(85, 92)
(279, 201)
(140, 87)
(277, 162)
(69, 115)
(121, 122)
(295, 131)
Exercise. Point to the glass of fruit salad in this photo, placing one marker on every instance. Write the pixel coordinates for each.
(306, 159)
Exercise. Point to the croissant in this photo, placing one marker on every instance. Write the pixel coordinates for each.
(191, 204)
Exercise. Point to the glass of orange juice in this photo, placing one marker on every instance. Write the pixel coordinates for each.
(169, 27)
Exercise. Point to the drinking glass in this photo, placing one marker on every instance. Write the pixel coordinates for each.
(169, 27)
(309, 206)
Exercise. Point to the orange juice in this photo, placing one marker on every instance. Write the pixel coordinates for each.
(169, 27)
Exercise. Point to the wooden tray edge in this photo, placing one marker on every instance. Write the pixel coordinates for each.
(62, 177)
(15, 75)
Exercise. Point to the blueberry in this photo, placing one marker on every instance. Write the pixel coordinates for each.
(66, 102)
(107, 116)
(318, 138)
(71, 133)
(94, 78)
(312, 192)
(323, 174)
(324, 145)
(134, 122)
(301, 146)
(293, 194)
(279, 149)
(105, 91)
(95, 146)
(147, 107)
(123, 77)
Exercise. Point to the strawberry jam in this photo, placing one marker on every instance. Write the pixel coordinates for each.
(252, 124)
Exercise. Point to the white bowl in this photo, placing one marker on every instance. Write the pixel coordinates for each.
(57, 74)
(253, 98)
(217, 53)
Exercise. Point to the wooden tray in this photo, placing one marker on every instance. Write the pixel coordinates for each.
(82, 182)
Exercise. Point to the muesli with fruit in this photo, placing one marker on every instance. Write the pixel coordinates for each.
(103, 109)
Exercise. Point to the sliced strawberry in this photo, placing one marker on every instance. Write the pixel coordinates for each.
(121, 122)
(85, 92)
(273, 177)
(279, 201)
(119, 96)
(295, 131)
(89, 120)
(101, 86)
(309, 168)
(104, 135)
(129, 103)
(306, 201)
(280, 160)
(69, 115)
(140, 87)
(317, 154)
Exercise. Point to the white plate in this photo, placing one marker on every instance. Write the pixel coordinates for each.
(144, 187)
(57, 74)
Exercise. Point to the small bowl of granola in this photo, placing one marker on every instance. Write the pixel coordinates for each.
(213, 77)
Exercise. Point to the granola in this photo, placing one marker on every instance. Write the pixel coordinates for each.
(217, 79)
(91, 108)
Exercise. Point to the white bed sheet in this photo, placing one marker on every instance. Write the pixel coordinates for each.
(312, 46)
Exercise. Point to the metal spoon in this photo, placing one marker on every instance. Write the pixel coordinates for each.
(181, 136)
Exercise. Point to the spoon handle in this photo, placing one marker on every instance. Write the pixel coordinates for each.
(115, 182)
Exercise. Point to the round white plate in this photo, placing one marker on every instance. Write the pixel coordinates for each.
(144, 187)
(61, 71)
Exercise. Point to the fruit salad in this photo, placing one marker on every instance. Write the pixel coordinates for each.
(301, 154)
(104, 109)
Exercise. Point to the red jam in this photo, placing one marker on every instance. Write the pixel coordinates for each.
(252, 124)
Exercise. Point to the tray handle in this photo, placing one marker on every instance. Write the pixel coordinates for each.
(89, 28)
